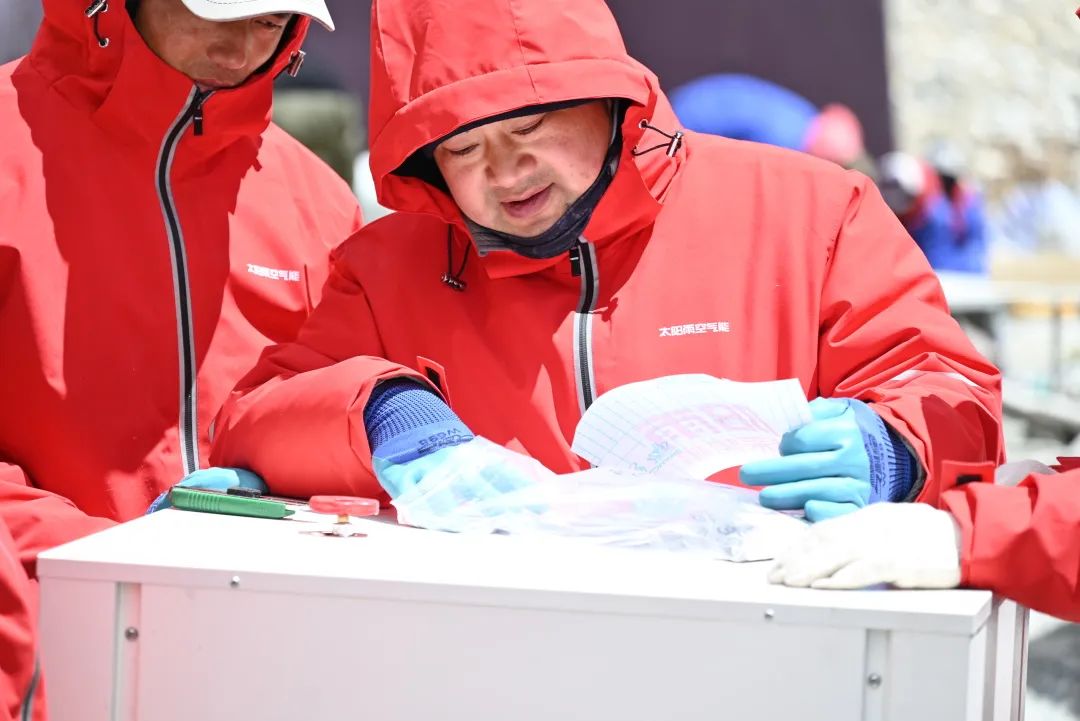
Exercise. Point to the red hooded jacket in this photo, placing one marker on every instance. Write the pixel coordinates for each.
(142, 268)
(1023, 542)
(727, 258)
(17, 637)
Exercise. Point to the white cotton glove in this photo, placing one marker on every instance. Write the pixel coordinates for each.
(908, 545)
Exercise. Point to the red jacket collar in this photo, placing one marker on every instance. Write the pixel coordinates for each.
(128, 90)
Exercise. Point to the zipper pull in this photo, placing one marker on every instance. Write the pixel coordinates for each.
(575, 261)
(96, 7)
(197, 112)
(295, 62)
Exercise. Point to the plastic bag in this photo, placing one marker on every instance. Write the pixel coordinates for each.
(599, 505)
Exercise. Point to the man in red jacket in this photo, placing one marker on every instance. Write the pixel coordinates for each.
(156, 232)
(559, 237)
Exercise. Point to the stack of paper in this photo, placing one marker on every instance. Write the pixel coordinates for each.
(651, 444)
(689, 425)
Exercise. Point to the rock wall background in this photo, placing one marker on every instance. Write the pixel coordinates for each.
(998, 78)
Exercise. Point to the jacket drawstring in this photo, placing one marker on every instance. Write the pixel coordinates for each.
(450, 278)
(673, 144)
(95, 10)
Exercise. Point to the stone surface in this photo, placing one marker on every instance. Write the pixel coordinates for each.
(1000, 80)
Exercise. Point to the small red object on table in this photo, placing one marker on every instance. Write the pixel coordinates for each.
(344, 506)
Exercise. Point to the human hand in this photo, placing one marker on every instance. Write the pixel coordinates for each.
(843, 459)
(908, 545)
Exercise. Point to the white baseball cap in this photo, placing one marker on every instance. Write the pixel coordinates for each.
(223, 10)
(904, 171)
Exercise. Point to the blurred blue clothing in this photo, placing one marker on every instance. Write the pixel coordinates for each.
(953, 234)
(1038, 217)
(745, 107)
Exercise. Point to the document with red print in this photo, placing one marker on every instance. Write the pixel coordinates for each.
(689, 425)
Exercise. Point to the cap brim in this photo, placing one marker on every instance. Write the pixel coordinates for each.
(225, 10)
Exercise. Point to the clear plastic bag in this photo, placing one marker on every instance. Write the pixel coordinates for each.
(599, 505)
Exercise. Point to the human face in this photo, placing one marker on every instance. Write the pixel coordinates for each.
(214, 55)
(519, 176)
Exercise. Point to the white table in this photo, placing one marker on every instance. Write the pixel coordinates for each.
(190, 616)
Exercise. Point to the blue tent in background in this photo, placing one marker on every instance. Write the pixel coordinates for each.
(745, 107)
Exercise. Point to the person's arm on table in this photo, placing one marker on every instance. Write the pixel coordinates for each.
(326, 415)
(1022, 542)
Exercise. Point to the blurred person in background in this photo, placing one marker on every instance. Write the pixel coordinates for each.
(942, 214)
(156, 232)
(745, 107)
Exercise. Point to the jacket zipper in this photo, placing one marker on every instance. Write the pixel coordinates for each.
(189, 429)
(583, 265)
(197, 110)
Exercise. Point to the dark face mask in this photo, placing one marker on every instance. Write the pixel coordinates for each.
(566, 231)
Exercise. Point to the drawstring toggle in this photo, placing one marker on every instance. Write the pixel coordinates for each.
(295, 63)
(674, 141)
(95, 10)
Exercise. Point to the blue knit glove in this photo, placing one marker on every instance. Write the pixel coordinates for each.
(414, 437)
(405, 421)
(844, 459)
(407, 425)
(213, 479)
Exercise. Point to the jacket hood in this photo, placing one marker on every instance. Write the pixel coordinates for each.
(437, 65)
(102, 63)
